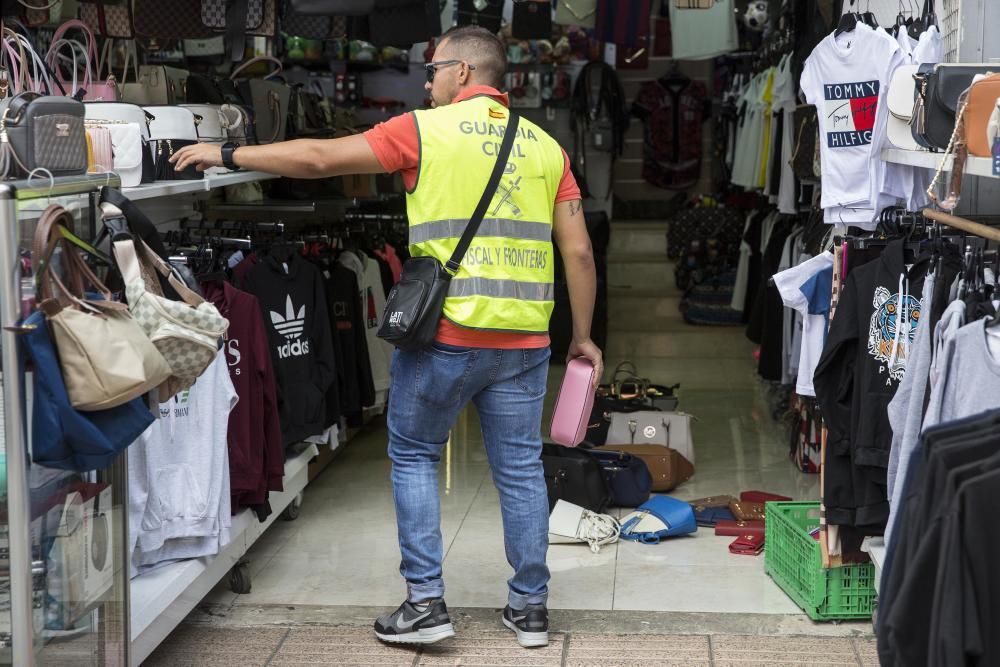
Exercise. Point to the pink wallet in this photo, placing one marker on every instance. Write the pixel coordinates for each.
(573, 404)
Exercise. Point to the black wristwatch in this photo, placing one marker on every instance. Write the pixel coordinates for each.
(228, 149)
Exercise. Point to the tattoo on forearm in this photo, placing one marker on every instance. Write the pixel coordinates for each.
(575, 207)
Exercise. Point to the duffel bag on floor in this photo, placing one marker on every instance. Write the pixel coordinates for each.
(628, 476)
(575, 476)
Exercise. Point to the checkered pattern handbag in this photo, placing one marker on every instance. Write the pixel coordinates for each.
(213, 13)
(186, 333)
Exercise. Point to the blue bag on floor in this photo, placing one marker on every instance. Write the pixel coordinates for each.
(63, 437)
(658, 518)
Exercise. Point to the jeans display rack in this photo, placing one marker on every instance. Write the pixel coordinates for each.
(124, 625)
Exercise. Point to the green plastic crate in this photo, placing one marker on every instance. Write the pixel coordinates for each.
(792, 558)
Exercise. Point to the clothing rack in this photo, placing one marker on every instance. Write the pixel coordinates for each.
(975, 228)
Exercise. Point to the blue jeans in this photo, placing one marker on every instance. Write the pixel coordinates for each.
(430, 387)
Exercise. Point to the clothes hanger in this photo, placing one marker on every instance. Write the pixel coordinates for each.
(868, 18)
(848, 22)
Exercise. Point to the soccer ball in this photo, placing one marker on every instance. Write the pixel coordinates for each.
(755, 17)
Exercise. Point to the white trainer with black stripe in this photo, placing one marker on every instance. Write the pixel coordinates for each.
(531, 624)
(423, 622)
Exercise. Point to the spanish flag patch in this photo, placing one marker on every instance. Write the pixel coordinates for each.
(497, 114)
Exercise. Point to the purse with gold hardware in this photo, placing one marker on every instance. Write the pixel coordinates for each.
(172, 128)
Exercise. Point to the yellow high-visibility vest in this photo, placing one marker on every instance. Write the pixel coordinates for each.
(505, 282)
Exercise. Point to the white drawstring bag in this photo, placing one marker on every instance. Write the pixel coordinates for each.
(569, 524)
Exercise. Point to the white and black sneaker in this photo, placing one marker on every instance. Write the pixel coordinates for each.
(531, 624)
(416, 623)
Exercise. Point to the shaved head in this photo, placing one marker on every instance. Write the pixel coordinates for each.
(479, 47)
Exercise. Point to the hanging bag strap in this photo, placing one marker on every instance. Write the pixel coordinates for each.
(509, 135)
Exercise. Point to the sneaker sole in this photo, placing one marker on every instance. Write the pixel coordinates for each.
(423, 636)
(528, 639)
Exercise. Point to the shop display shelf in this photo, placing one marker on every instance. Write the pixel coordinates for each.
(168, 188)
(976, 166)
(792, 558)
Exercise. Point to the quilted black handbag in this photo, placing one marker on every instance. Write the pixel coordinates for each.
(574, 475)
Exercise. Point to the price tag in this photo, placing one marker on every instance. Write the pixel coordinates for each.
(996, 156)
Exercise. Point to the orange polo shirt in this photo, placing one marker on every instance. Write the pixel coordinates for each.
(397, 146)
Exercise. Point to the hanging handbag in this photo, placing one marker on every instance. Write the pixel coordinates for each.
(268, 99)
(187, 333)
(983, 96)
(333, 7)
(177, 19)
(120, 114)
(157, 84)
(582, 13)
(627, 475)
(309, 26)
(944, 86)
(65, 438)
(108, 20)
(42, 132)
(414, 306)
(105, 357)
(532, 19)
(900, 104)
(658, 518)
(575, 476)
(404, 22)
(236, 18)
(666, 466)
(666, 429)
(487, 14)
(806, 123)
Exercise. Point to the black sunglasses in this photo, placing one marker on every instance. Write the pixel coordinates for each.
(432, 67)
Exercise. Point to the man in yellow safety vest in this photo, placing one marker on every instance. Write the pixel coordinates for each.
(492, 346)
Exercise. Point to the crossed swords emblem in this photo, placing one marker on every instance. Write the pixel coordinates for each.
(506, 197)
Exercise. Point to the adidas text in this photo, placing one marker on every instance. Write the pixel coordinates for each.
(299, 348)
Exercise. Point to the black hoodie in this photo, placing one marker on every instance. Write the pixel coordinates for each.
(292, 299)
(863, 360)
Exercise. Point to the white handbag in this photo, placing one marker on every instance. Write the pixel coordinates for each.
(667, 429)
(170, 122)
(129, 126)
(211, 128)
(118, 112)
(126, 140)
(237, 123)
(900, 100)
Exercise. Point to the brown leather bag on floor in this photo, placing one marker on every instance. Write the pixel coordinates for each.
(666, 466)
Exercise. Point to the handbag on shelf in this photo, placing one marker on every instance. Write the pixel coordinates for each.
(582, 13)
(667, 468)
(658, 518)
(665, 429)
(532, 19)
(170, 129)
(212, 128)
(943, 88)
(177, 19)
(120, 116)
(309, 26)
(43, 132)
(918, 118)
(268, 99)
(186, 332)
(61, 436)
(900, 104)
(575, 476)
(574, 403)
(105, 357)
(415, 303)
(627, 475)
(983, 96)
(87, 51)
(100, 150)
(157, 84)
(108, 20)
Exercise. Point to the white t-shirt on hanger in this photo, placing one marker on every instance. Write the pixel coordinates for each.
(846, 78)
(795, 285)
(698, 34)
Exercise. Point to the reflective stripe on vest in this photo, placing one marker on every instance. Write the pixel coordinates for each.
(505, 282)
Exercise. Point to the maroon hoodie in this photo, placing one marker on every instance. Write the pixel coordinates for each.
(256, 453)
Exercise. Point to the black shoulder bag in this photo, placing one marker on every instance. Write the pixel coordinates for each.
(413, 309)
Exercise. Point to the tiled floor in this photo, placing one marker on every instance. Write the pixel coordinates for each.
(342, 550)
(324, 645)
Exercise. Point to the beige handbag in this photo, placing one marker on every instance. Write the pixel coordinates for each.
(187, 333)
(666, 429)
(581, 13)
(106, 359)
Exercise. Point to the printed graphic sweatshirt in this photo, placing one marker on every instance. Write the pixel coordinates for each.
(293, 303)
(863, 361)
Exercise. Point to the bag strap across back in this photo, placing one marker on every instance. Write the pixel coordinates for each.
(509, 135)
